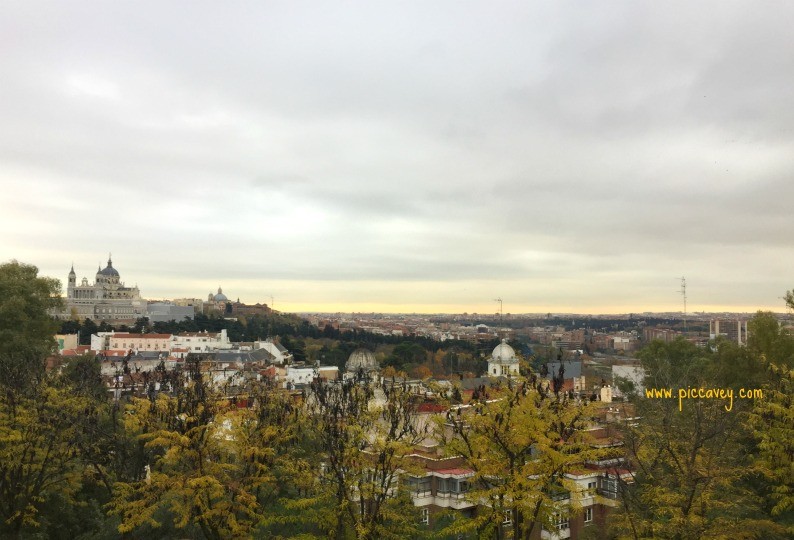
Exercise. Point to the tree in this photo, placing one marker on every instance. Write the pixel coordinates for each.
(37, 457)
(88, 328)
(692, 475)
(421, 372)
(772, 417)
(772, 421)
(70, 327)
(366, 445)
(195, 470)
(406, 355)
(75, 507)
(521, 441)
(768, 341)
(47, 421)
(32, 456)
(219, 466)
(26, 326)
(141, 325)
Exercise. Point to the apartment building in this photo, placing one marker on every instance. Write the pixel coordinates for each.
(440, 484)
(734, 330)
(203, 341)
(140, 342)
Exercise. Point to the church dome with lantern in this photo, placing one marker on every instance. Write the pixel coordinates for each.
(220, 297)
(504, 354)
(503, 361)
(361, 359)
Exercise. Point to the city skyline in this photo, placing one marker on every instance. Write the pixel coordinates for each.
(486, 307)
(571, 157)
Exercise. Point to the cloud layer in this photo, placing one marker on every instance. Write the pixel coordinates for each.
(405, 156)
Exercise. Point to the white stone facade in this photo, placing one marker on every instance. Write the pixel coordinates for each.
(107, 299)
(202, 341)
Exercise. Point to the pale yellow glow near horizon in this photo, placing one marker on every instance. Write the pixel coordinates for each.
(425, 309)
(435, 297)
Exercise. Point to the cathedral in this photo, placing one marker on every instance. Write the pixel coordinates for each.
(107, 299)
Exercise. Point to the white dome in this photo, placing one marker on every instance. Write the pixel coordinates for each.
(361, 359)
(504, 354)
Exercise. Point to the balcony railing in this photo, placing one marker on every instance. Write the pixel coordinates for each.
(450, 495)
(606, 493)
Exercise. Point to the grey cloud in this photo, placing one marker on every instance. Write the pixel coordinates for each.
(406, 142)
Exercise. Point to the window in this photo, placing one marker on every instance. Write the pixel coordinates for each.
(423, 486)
(562, 523)
(425, 516)
(588, 515)
(443, 485)
(418, 485)
(609, 487)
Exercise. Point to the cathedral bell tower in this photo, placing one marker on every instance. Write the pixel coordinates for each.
(72, 283)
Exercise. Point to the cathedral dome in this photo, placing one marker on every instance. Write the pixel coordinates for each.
(361, 359)
(504, 353)
(220, 297)
(109, 271)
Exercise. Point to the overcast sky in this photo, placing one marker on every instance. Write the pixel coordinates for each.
(405, 156)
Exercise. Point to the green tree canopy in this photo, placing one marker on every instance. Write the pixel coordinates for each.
(27, 328)
(695, 475)
(521, 444)
(772, 417)
(50, 423)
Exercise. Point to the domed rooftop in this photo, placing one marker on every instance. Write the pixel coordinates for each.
(361, 359)
(109, 270)
(220, 297)
(504, 354)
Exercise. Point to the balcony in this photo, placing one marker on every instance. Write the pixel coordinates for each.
(455, 500)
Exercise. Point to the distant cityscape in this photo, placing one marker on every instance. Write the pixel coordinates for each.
(442, 390)
(108, 299)
(600, 345)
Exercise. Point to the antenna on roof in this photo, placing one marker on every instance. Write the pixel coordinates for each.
(500, 306)
(682, 292)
